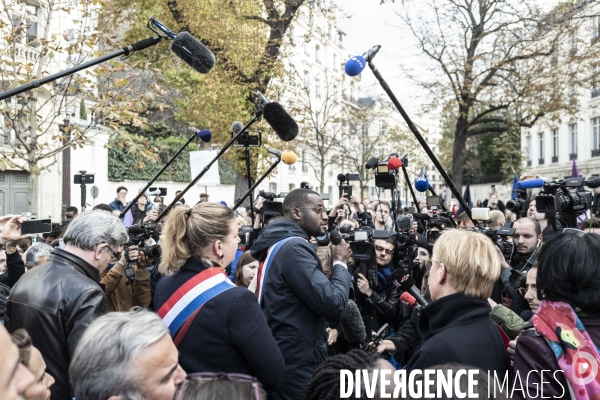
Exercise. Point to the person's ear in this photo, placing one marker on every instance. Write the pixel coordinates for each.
(296, 214)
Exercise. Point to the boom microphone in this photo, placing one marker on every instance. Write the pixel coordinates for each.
(205, 135)
(530, 184)
(421, 183)
(352, 324)
(193, 53)
(407, 284)
(356, 64)
(237, 127)
(372, 163)
(282, 123)
(421, 216)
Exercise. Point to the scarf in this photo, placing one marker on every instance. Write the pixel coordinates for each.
(575, 352)
(384, 278)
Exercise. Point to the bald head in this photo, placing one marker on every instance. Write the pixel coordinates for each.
(497, 219)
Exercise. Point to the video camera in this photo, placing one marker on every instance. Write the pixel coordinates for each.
(347, 189)
(138, 234)
(567, 196)
(386, 171)
(270, 207)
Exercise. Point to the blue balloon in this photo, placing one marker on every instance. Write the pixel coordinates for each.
(355, 66)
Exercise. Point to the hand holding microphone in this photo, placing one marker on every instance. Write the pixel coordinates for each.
(340, 250)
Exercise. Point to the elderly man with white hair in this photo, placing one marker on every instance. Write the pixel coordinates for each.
(126, 355)
(37, 255)
(57, 302)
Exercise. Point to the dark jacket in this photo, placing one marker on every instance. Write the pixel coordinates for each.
(116, 205)
(55, 304)
(229, 334)
(298, 299)
(457, 328)
(15, 269)
(4, 293)
(533, 353)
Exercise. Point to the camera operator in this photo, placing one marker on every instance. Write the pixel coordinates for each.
(545, 228)
(382, 299)
(344, 205)
(527, 239)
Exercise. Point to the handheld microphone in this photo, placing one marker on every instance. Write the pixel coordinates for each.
(394, 163)
(335, 238)
(421, 183)
(288, 157)
(405, 223)
(205, 135)
(409, 300)
(237, 127)
(352, 324)
(530, 184)
(372, 163)
(356, 64)
(193, 53)
(282, 123)
(407, 284)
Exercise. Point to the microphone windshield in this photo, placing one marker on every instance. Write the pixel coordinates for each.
(194, 53)
(405, 223)
(422, 184)
(421, 216)
(533, 183)
(335, 237)
(205, 135)
(355, 66)
(282, 123)
(407, 299)
(394, 163)
(372, 163)
(237, 127)
(288, 157)
(593, 182)
(353, 325)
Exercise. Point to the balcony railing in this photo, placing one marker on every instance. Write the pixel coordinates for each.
(541, 161)
(596, 153)
(554, 159)
(572, 156)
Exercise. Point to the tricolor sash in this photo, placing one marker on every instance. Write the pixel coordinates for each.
(265, 265)
(191, 296)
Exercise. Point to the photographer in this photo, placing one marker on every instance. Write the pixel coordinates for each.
(122, 290)
(527, 239)
(342, 211)
(382, 299)
(546, 229)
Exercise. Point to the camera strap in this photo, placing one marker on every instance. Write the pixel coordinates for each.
(180, 310)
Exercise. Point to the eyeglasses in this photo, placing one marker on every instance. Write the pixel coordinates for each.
(318, 210)
(380, 249)
(212, 376)
(117, 256)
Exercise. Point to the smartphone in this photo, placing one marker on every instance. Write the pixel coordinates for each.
(348, 190)
(493, 186)
(89, 179)
(36, 226)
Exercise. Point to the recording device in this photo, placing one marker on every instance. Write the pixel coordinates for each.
(381, 333)
(153, 191)
(480, 214)
(243, 233)
(186, 47)
(138, 234)
(251, 138)
(519, 206)
(287, 156)
(357, 64)
(409, 301)
(433, 202)
(203, 134)
(88, 179)
(407, 284)
(36, 226)
(346, 189)
(282, 123)
(270, 207)
(385, 177)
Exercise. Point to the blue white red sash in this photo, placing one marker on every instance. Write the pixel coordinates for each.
(265, 265)
(193, 295)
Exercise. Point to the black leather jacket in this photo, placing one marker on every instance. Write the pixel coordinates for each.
(55, 303)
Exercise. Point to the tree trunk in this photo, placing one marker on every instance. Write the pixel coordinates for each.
(458, 159)
(33, 193)
(241, 187)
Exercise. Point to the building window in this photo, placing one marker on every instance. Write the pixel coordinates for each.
(273, 187)
(572, 141)
(26, 21)
(306, 80)
(317, 88)
(595, 137)
(335, 66)
(318, 54)
(307, 48)
(304, 164)
(554, 145)
(541, 143)
(292, 168)
(595, 28)
(573, 40)
(373, 191)
(330, 192)
(292, 186)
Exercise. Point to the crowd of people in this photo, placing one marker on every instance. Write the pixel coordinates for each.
(200, 305)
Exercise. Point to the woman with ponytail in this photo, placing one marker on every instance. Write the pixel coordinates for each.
(216, 326)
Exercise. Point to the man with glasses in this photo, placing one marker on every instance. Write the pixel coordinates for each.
(56, 303)
(381, 299)
(295, 295)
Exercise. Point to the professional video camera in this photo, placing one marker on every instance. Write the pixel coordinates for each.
(499, 236)
(520, 205)
(386, 171)
(567, 196)
(138, 234)
(270, 207)
(346, 189)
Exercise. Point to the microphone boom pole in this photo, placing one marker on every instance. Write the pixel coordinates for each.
(126, 51)
(251, 190)
(421, 140)
(412, 191)
(159, 173)
(255, 118)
